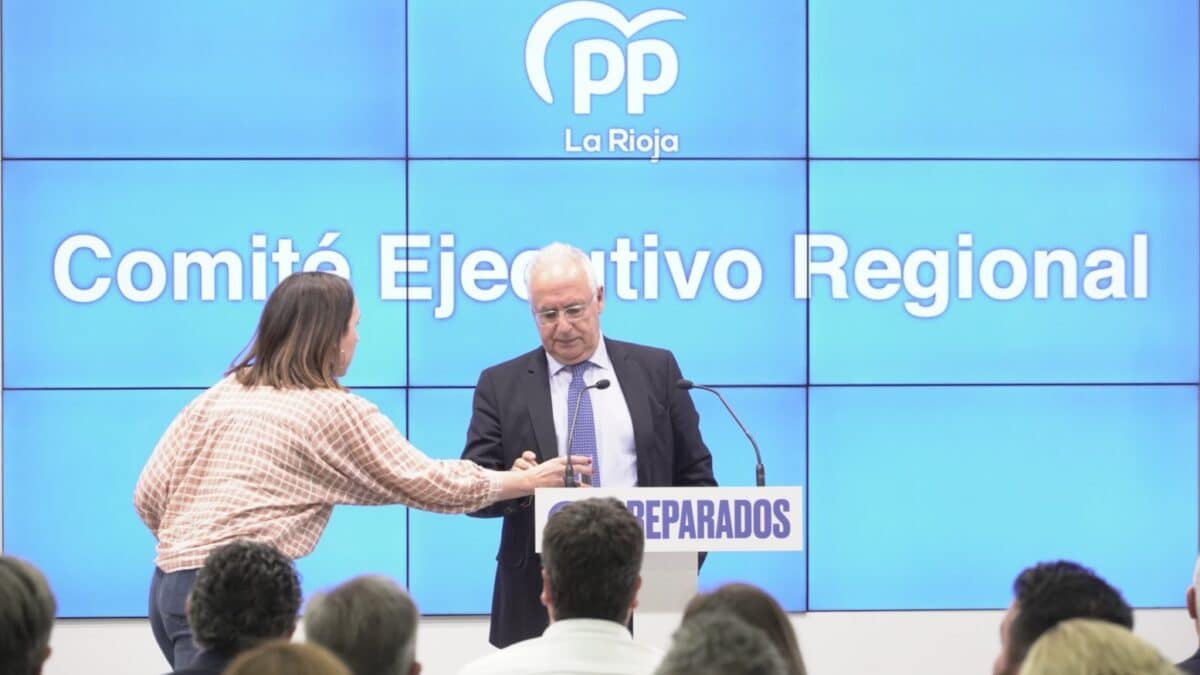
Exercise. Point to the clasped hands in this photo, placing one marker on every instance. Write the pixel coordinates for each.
(551, 473)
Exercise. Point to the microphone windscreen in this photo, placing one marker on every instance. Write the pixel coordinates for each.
(684, 383)
(602, 384)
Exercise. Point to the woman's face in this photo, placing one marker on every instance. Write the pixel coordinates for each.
(349, 341)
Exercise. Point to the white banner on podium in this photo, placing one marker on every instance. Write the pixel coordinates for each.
(681, 519)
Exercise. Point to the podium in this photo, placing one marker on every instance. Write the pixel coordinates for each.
(679, 523)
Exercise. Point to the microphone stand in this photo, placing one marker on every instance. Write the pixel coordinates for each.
(760, 477)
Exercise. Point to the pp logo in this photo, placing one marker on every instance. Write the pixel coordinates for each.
(621, 65)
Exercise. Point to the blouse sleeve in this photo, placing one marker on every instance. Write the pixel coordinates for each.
(371, 462)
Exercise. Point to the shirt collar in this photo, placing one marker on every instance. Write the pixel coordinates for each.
(599, 359)
(594, 626)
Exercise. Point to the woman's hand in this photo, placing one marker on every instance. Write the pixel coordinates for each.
(551, 473)
(527, 474)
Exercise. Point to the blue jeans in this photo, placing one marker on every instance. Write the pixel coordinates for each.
(168, 616)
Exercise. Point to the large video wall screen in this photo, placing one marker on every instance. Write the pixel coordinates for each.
(943, 258)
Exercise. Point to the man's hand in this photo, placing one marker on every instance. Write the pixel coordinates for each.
(527, 460)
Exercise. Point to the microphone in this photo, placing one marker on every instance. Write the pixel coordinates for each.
(568, 472)
(760, 478)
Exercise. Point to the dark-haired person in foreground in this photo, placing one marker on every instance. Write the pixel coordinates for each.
(719, 643)
(27, 611)
(247, 593)
(369, 623)
(642, 429)
(592, 562)
(1047, 594)
(266, 453)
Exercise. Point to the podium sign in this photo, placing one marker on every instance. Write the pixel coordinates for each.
(682, 519)
(680, 522)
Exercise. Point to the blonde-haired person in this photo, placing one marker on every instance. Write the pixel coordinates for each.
(1091, 647)
(287, 658)
(268, 451)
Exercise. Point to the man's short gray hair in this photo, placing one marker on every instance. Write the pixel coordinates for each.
(561, 253)
(717, 643)
(27, 611)
(369, 622)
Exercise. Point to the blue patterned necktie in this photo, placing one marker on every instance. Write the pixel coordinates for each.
(584, 441)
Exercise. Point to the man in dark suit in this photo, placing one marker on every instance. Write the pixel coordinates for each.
(641, 430)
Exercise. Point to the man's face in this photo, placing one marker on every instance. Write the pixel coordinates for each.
(564, 289)
(1004, 664)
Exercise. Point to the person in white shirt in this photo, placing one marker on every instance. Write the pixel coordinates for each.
(591, 574)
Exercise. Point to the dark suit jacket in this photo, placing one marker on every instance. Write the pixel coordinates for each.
(1192, 665)
(512, 413)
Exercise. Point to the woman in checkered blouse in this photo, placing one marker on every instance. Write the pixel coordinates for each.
(266, 453)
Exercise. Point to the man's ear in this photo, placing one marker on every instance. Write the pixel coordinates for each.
(416, 668)
(37, 669)
(637, 588)
(546, 598)
(1191, 602)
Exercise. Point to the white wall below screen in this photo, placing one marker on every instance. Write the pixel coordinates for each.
(834, 643)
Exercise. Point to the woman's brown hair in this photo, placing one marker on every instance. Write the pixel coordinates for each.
(296, 344)
(757, 608)
(280, 657)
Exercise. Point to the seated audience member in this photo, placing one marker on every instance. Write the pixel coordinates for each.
(279, 657)
(369, 623)
(757, 608)
(591, 573)
(27, 610)
(1048, 593)
(1092, 647)
(246, 593)
(1192, 664)
(719, 643)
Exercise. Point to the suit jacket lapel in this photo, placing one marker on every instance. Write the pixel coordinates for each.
(637, 398)
(541, 413)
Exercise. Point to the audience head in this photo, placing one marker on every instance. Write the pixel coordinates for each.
(591, 561)
(719, 643)
(1093, 647)
(1049, 593)
(27, 611)
(757, 608)
(279, 657)
(1191, 596)
(370, 623)
(306, 335)
(566, 302)
(246, 593)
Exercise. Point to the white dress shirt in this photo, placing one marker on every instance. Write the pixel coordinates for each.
(614, 426)
(572, 647)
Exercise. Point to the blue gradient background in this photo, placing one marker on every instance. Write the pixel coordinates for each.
(223, 78)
